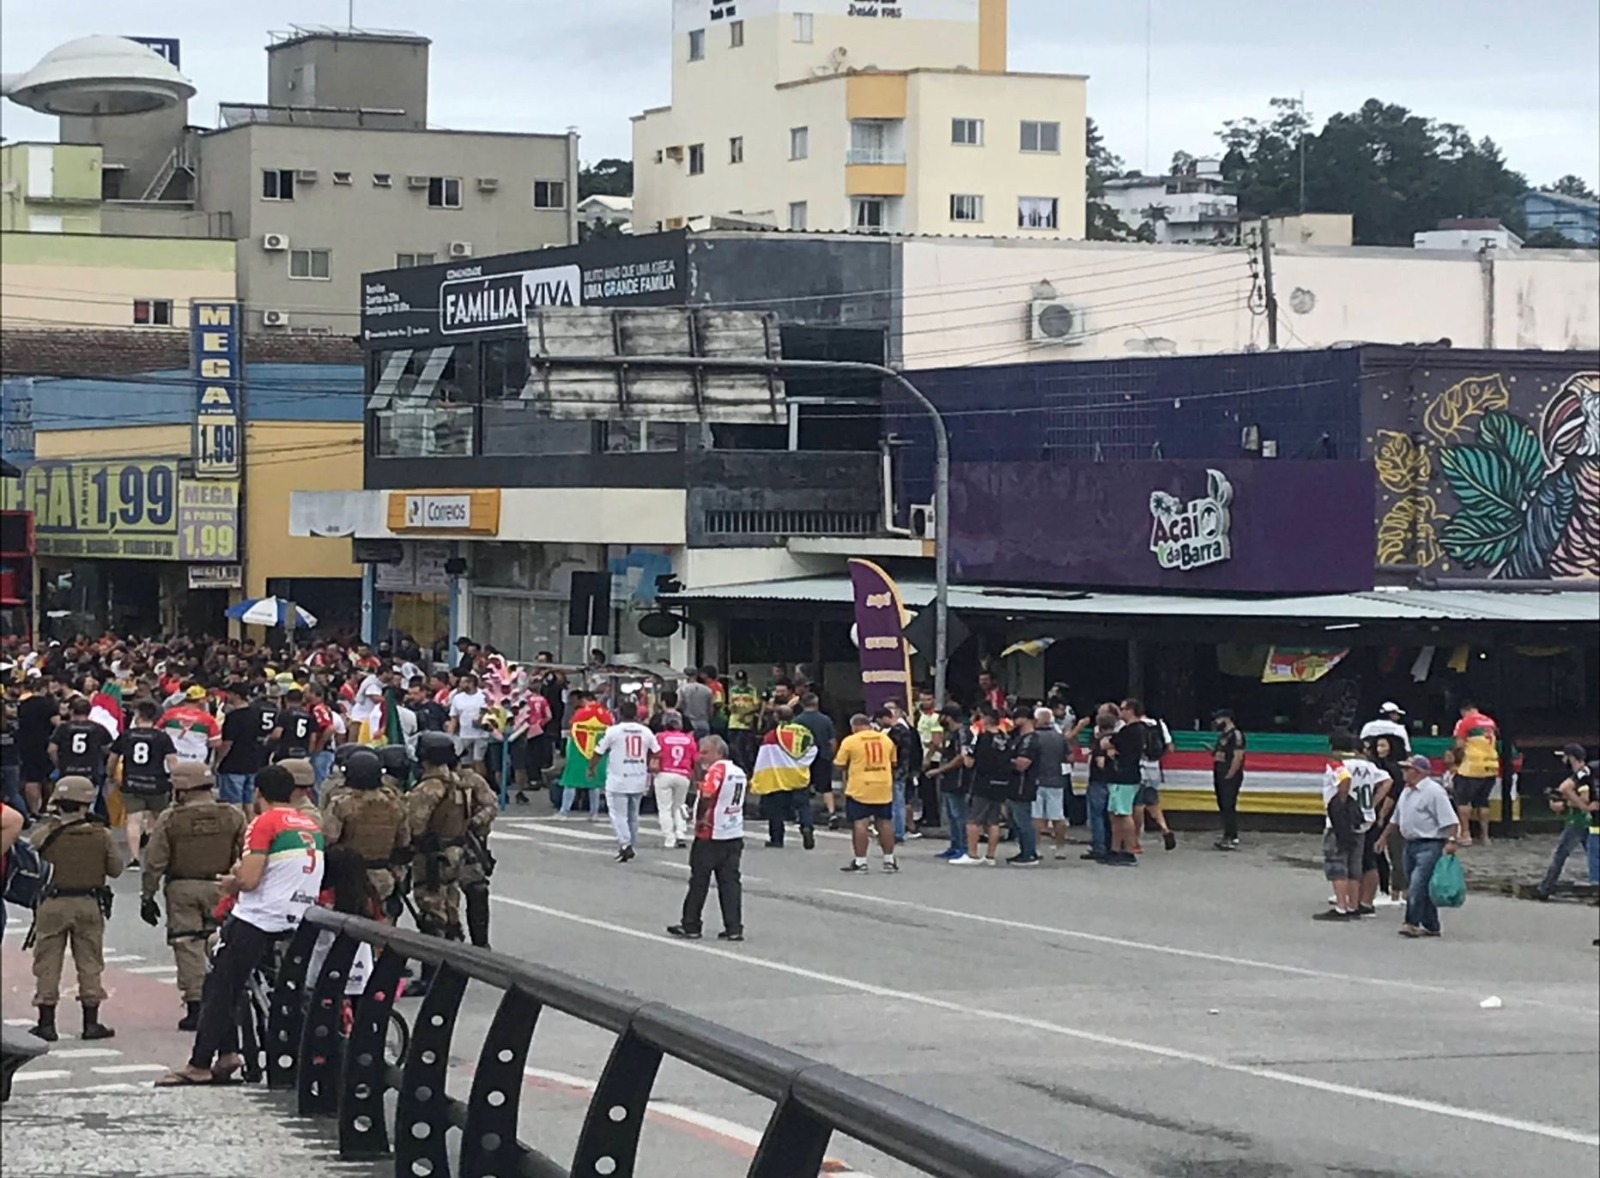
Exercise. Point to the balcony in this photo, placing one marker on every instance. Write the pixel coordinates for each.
(874, 157)
(875, 179)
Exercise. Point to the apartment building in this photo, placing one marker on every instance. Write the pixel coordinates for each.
(1194, 207)
(834, 115)
(337, 173)
(49, 188)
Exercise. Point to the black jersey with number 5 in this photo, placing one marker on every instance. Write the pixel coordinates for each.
(144, 753)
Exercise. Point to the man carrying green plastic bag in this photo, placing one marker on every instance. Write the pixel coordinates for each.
(1426, 818)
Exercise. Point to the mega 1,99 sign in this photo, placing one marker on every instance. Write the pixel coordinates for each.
(126, 510)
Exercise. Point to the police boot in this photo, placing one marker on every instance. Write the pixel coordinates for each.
(46, 1028)
(190, 1021)
(419, 988)
(93, 1028)
(478, 916)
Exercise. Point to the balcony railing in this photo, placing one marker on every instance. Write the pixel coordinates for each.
(874, 155)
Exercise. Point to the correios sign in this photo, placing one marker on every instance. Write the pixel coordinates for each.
(1193, 534)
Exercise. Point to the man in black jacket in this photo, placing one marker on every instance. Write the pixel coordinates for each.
(1127, 747)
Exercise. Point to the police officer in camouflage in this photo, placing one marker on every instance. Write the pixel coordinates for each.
(195, 842)
(336, 783)
(368, 815)
(305, 780)
(79, 847)
(450, 811)
(397, 766)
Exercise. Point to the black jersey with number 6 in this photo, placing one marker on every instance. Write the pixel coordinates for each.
(297, 728)
(144, 753)
(80, 748)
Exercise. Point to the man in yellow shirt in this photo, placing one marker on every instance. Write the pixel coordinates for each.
(867, 757)
(1478, 739)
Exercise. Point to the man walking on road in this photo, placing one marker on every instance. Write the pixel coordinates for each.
(1426, 818)
(718, 845)
(1573, 800)
(627, 748)
(1157, 744)
(867, 757)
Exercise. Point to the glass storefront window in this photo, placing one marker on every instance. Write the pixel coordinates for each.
(422, 403)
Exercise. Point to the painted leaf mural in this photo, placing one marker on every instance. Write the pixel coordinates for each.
(1542, 530)
(1403, 466)
(1406, 534)
(1514, 438)
(1452, 412)
(1487, 482)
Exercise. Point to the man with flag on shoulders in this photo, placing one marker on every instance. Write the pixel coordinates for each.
(783, 778)
(590, 719)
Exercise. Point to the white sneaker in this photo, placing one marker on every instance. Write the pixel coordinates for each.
(1063, 853)
(964, 860)
(671, 844)
(1387, 902)
(989, 862)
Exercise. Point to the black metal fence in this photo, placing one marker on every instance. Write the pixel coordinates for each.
(349, 1077)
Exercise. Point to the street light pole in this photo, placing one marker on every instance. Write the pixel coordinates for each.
(941, 450)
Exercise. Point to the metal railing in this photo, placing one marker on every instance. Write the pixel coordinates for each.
(875, 155)
(348, 1078)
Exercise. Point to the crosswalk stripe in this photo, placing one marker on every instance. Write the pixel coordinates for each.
(153, 969)
(119, 958)
(86, 1053)
(25, 1076)
(128, 1069)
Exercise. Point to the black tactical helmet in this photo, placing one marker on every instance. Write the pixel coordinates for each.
(363, 769)
(435, 748)
(342, 754)
(396, 761)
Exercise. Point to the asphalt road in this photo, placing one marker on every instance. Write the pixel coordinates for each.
(1184, 1019)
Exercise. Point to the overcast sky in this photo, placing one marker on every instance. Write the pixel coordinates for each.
(1525, 74)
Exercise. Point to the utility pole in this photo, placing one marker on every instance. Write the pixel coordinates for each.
(1266, 280)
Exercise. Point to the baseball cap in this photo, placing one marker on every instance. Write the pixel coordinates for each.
(1391, 709)
(1572, 750)
(1420, 763)
(195, 692)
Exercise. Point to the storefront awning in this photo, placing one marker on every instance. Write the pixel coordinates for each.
(1554, 606)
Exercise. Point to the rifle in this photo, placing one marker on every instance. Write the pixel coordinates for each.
(477, 848)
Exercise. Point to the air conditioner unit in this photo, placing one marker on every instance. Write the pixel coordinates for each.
(675, 153)
(460, 249)
(306, 175)
(487, 183)
(922, 520)
(1057, 323)
(274, 318)
(275, 241)
(416, 181)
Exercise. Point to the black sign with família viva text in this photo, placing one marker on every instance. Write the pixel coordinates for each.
(470, 296)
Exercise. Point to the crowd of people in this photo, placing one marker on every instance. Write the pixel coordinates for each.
(222, 761)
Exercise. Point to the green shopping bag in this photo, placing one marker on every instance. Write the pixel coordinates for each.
(1447, 886)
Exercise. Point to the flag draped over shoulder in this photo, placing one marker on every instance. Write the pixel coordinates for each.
(784, 762)
(583, 737)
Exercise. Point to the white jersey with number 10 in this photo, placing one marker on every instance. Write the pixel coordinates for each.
(627, 748)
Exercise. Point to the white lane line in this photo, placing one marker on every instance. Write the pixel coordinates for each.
(168, 981)
(567, 830)
(672, 863)
(129, 1069)
(152, 969)
(1555, 1132)
(19, 1022)
(16, 930)
(120, 958)
(85, 1053)
(86, 1089)
(507, 836)
(739, 1134)
(25, 1076)
(1172, 950)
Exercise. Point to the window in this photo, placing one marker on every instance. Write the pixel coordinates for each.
(966, 132)
(341, 177)
(382, 180)
(736, 150)
(549, 194)
(152, 312)
(420, 404)
(404, 261)
(736, 34)
(1037, 212)
(697, 158)
(797, 215)
(1043, 137)
(697, 44)
(444, 192)
(315, 264)
(277, 184)
(966, 208)
(868, 215)
(799, 142)
(804, 27)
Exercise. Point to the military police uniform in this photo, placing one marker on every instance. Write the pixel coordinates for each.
(443, 806)
(194, 842)
(305, 778)
(369, 816)
(84, 856)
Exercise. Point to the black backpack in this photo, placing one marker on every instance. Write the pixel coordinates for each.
(28, 875)
(1155, 747)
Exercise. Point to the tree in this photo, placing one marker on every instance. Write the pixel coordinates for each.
(1101, 221)
(1395, 171)
(1183, 164)
(609, 177)
(1570, 185)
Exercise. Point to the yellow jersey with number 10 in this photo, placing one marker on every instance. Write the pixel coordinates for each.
(868, 761)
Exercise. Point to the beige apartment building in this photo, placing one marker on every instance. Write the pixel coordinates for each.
(841, 115)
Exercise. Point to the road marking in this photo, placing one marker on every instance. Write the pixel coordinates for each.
(128, 1069)
(119, 958)
(33, 1077)
(966, 1012)
(507, 836)
(566, 830)
(88, 1088)
(16, 930)
(86, 1053)
(19, 1022)
(732, 1131)
(152, 969)
(1172, 950)
(672, 863)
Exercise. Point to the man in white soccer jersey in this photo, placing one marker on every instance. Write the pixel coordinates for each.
(718, 845)
(628, 748)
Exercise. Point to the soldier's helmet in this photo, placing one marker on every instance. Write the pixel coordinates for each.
(435, 748)
(189, 775)
(301, 770)
(363, 769)
(74, 789)
(395, 759)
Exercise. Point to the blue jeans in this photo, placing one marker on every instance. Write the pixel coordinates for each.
(1594, 858)
(1027, 833)
(238, 789)
(899, 809)
(321, 765)
(955, 813)
(1422, 855)
(1099, 797)
(1572, 837)
(784, 805)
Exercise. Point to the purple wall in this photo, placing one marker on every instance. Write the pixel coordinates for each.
(1263, 527)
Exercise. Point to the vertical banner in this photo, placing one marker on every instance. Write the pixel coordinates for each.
(880, 635)
(214, 335)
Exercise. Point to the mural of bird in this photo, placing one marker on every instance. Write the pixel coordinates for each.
(1569, 435)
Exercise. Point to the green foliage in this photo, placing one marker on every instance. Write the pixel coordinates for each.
(1571, 185)
(609, 177)
(1510, 511)
(1101, 220)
